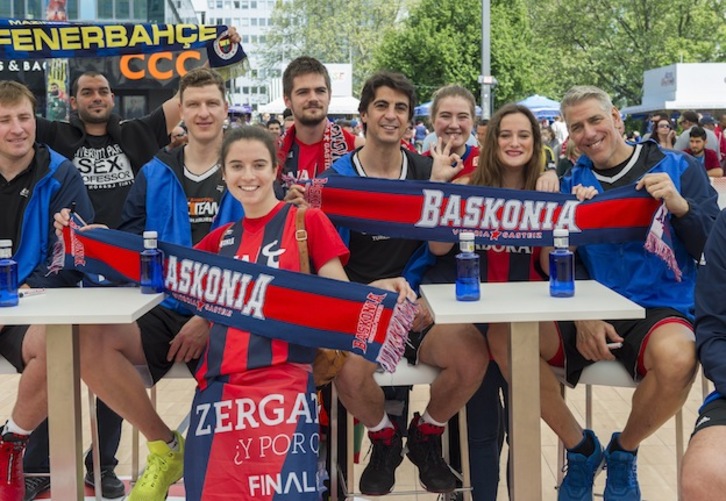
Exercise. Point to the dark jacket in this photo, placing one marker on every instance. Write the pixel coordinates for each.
(56, 184)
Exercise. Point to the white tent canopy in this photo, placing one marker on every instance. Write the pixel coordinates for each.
(339, 105)
(275, 106)
(690, 86)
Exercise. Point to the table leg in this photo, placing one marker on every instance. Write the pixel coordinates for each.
(524, 412)
(64, 412)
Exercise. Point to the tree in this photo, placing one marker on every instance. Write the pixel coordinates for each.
(610, 43)
(333, 31)
(440, 43)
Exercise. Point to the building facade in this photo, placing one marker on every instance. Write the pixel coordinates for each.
(252, 18)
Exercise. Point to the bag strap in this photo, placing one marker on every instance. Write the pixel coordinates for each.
(301, 235)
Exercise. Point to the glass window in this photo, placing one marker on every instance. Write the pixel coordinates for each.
(219, 4)
(263, 90)
(210, 4)
(72, 10)
(236, 4)
(245, 90)
(245, 39)
(254, 21)
(253, 4)
(263, 38)
(227, 4)
(104, 9)
(6, 9)
(228, 21)
(141, 10)
(35, 10)
(245, 4)
(253, 38)
(245, 21)
(123, 9)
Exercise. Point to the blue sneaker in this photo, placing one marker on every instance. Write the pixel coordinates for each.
(622, 480)
(581, 472)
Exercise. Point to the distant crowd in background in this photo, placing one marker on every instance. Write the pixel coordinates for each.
(701, 135)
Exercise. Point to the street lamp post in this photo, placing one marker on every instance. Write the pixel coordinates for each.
(485, 79)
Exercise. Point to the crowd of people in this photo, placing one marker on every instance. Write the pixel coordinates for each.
(242, 193)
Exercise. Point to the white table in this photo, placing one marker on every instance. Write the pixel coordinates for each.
(524, 305)
(62, 310)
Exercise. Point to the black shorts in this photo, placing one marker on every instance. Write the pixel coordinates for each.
(158, 327)
(11, 344)
(634, 332)
(413, 343)
(711, 414)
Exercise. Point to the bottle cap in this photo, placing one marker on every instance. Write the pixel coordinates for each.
(6, 243)
(150, 234)
(466, 235)
(559, 233)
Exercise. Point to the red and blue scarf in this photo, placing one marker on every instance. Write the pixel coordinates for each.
(334, 146)
(269, 302)
(428, 211)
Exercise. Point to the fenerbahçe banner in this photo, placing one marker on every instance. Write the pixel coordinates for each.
(270, 302)
(23, 39)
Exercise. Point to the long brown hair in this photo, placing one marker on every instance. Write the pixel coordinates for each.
(490, 168)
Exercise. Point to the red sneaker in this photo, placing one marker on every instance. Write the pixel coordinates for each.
(12, 480)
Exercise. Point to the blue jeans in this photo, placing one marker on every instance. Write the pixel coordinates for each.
(487, 422)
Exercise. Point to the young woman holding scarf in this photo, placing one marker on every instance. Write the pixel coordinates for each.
(254, 416)
(510, 158)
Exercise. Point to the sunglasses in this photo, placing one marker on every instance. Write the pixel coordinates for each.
(178, 135)
(664, 126)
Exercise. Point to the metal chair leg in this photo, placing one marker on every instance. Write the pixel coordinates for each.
(95, 446)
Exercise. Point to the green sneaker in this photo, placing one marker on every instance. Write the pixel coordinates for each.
(164, 467)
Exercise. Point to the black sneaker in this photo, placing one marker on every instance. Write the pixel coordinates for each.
(34, 486)
(379, 476)
(111, 486)
(424, 450)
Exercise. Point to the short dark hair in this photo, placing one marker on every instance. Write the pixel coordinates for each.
(89, 73)
(690, 116)
(395, 81)
(302, 65)
(482, 122)
(12, 93)
(697, 131)
(251, 133)
(201, 77)
(273, 121)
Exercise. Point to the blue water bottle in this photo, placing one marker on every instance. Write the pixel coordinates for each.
(8, 275)
(562, 266)
(467, 269)
(152, 262)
